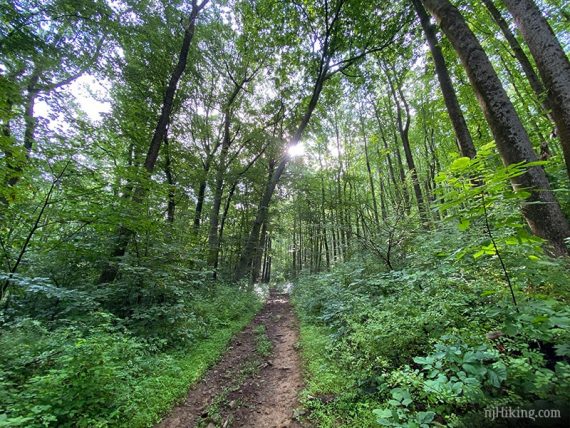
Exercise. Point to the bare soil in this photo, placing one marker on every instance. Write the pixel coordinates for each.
(249, 388)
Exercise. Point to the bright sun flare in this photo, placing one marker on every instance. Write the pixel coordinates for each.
(296, 150)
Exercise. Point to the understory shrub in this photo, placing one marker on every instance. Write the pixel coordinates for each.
(435, 343)
(96, 369)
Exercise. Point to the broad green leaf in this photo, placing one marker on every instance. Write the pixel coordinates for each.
(460, 164)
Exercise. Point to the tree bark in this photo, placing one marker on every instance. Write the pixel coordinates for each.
(123, 235)
(200, 199)
(213, 236)
(541, 210)
(403, 129)
(520, 55)
(369, 170)
(258, 255)
(462, 133)
(213, 241)
(323, 218)
(171, 184)
(244, 264)
(395, 186)
(168, 101)
(552, 63)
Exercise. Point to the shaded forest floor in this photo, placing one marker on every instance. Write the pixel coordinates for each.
(256, 383)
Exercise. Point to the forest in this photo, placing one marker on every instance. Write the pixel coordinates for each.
(270, 213)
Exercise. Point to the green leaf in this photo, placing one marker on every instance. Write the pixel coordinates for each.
(476, 370)
(562, 350)
(497, 374)
(382, 413)
(423, 361)
(460, 164)
(425, 417)
(478, 254)
(463, 224)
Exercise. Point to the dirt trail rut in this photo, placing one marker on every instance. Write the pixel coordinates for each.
(250, 387)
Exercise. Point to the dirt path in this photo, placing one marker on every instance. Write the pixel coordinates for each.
(256, 383)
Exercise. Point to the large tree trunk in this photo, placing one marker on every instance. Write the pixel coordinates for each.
(200, 199)
(541, 210)
(168, 101)
(519, 54)
(171, 207)
(244, 264)
(213, 236)
(464, 139)
(552, 64)
(123, 235)
(266, 277)
(258, 255)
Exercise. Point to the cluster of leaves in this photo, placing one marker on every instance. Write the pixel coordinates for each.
(436, 342)
(84, 366)
(475, 190)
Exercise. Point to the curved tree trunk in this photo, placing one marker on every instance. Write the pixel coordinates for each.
(464, 139)
(541, 210)
(552, 64)
(223, 164)
(244, 264)
(403, 128)
(123, 235)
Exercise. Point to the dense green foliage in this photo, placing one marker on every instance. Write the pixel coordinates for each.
(416, 346)
(156, 156)
(100, 370)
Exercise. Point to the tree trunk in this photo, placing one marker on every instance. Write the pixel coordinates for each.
(396, 192)
(370, 176)
(258, 255)
(213, 236)
(229, 199)
(520, 55)
(523, 101)
(323, 219)
(123, 235)
(552, 63)
(168, 101)
(200, 200)
(244, 264)
(30, 122)
(6, 195)
(464, 139)
(541, 210)
(213, 241)
(266, 275)
(403, 128)
(171, 184)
